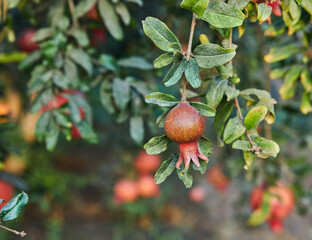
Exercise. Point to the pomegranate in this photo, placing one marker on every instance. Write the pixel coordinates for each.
(145, 163)
(56, 102)
(97, 36)
(217, 179)
(25, 42)
(6, 192)
(197, 194)
(125, 191)
(281, 202)
(147, 186)
(92, 14)
(184, 125)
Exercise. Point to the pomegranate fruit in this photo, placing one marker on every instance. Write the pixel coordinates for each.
(97, 36)
(92, 14)
(145, 163)
(184, 125)
(147, 187)
(6, 192)
(197, 194)
(125, 191)
(281, 202)
(25, 42)
(217, 179)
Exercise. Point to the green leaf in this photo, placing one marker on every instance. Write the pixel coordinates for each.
(29, 60)
(43, 34)
(288, 88)
(281, 53)
(223, 113)
(239, 4)
(61, 119)
(202, 166)
(106, 97)
(82, 59)
(210, 55)
(261, 214)
(83, 7)
(135, 62)
(231, 93)
(161, 119)
(163, 60)
(110, 18)
(216, 92)
(109, 62)
(175, 73)
(222, 15)
(121, 93)
(305, 106)
(157, 145)
(225, 71)
(294, 11)
(13, 208)
(166, 168)
(233, 130)
(196, 6)
(264, 11)
(205, 146)
(139, 2)
(42, 125)
(123, 12)
(12, 57)
(137, 129)
(255, 116)
(278, 72)
(185, 176)
(80, 36)
(306, 80)
(161, 99)
(307, 5)
(243, 145)
(204, 109)
(87, 132)
(268, 148)
(160, 34)
(249, 158)
(192, 73)
(71, 71)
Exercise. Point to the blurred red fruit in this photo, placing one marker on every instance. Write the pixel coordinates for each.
(92, 14)
(56, 102)
(145, 163)
(281, 202)
(97, 36)
(6, 192)
(217, 179)
(197, 194)
(125, 191)
(147, 186)
(25, 42)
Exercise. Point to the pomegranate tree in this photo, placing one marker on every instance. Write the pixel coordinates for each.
(184, 125)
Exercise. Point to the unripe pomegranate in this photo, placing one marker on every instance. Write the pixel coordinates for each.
(184, 125)
(25, 42)
(6, 192)
(145, 163)
(281, 202)
(147, 186)
(197, 194)
(217, 179)
(125, 191)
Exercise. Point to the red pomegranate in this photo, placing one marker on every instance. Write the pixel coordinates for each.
(56, 102)
(25, 42)
(197, 194)
(145, 163)
(6, 192)
(184, 125)
(282, 201)
(97, 36)
(147, 187)
(92, 14)
(125, 191)
(217, 179)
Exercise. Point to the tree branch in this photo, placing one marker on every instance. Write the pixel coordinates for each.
(72, 12)
(188, 53)
(22, 234)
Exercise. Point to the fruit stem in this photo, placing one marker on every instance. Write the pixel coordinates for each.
(236, 104)
(22, 234)
(188, 54)
(72, 12)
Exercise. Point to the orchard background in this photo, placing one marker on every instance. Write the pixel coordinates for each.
(102, 114)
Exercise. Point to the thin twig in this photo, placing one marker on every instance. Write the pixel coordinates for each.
(72, 12)
(22, 234)
(188, 53)
(236, 104)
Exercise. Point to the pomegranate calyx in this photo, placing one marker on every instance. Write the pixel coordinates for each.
(188, 152)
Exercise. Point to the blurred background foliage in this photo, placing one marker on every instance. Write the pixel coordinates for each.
(72, 187)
